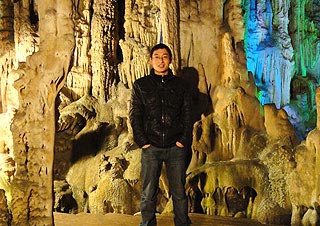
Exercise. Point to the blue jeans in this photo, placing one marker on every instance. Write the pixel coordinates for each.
(151, 164)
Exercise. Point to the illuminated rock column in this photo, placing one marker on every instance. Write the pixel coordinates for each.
(33, 127)
(25, 31)
(6, 48)
(317, 146)
(305, 27)
(269, 50)
(170, 29)
(103, 48)
(313, 141)
(6, 24)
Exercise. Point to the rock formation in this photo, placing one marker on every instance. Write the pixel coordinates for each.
(67, 69)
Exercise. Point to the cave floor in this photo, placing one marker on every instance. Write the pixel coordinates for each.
(112, 219)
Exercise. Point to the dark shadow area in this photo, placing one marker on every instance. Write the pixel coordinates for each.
(34, 17)
(120, 28)
(88, 144)
(200, 101)
(238, 201)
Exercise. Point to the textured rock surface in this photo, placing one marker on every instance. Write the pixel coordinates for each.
(67, 69)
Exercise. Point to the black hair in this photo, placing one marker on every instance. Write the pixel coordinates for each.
(161, 46)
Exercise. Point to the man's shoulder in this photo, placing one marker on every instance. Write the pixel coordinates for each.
(142, 82)
(143, 79)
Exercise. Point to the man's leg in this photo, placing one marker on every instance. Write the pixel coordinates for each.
(176, 173)
(150, 173)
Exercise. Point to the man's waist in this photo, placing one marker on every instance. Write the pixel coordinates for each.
(163, 144)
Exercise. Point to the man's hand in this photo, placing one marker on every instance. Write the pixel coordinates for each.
(178, 144)
(146, 146)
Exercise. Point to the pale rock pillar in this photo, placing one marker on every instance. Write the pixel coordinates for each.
(103, 50)
(6, 48)
(313, 144)
(25, 36)
(170, 29)
(33, 126)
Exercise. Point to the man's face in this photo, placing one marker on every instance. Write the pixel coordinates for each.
(160, 61)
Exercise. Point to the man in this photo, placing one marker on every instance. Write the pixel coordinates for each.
(160, 115)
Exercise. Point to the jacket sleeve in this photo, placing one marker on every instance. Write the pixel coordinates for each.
(136, 113)
(185, 138)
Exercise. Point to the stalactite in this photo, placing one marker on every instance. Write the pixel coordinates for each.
(304, 28)
(6, 24)
(307, 42)
(269, 51)
(141, 33)
(79, 79)
(6, 49)
(103, 26)
(26, 35)
(235, 143)
(170, 27)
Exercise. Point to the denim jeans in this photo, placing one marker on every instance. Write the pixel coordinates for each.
(151, 163)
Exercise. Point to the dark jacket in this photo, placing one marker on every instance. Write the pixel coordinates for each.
(160, 110)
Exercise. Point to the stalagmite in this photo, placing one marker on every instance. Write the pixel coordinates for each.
(67, 69)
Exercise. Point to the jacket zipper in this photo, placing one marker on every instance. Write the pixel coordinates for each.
(163, 109)
(162, 112)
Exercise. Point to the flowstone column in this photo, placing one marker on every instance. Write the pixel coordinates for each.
(33, 127)
(103, 48)
(170, 29)
(6, 48)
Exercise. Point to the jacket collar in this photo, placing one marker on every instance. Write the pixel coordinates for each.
(162, 78)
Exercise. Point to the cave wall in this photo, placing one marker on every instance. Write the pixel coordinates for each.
(67, 69)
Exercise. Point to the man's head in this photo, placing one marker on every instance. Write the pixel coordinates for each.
(160, 59)
(161, 46)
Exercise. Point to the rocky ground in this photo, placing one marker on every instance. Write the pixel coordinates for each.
(129, 220)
